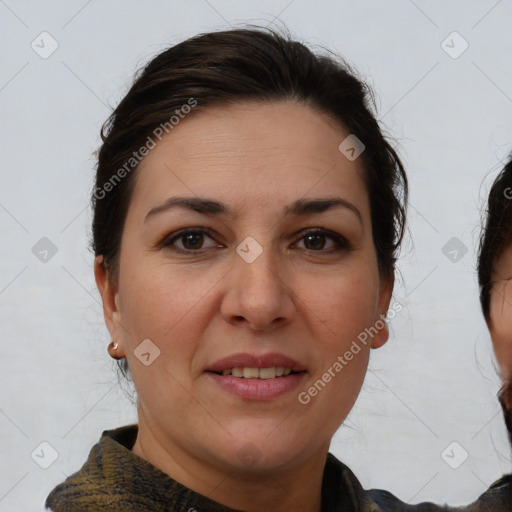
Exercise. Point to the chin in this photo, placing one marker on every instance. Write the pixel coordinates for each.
(257, 451)
(252, 459)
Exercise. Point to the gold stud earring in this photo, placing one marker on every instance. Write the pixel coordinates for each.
(113, 346)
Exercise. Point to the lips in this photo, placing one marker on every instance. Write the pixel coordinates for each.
(246, 360)
(257, 377)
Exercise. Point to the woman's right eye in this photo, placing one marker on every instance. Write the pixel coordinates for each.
(191, 240)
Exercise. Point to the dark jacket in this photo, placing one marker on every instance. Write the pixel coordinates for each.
(115, 479)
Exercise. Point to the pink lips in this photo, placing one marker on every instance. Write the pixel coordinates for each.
(257, 389)
(246, 360)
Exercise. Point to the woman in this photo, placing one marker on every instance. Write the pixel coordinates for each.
(495, 280)
(247, 216)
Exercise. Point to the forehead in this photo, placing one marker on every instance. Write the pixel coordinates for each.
(270, 151)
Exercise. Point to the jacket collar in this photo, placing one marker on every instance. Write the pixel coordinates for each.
(115, 476)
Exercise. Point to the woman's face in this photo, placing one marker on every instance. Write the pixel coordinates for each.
(247, 287)
(500, 324)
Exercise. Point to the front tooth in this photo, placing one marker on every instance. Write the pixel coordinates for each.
(287, 371)
(237, 372)
(226, 372)
(251, 373)
(279, 371)
(268, 373)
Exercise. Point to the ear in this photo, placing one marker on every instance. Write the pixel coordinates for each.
(110, 298)
(385, 292)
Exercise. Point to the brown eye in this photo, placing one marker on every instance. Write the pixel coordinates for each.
(192, 240)
(316, 240)
(188, 240)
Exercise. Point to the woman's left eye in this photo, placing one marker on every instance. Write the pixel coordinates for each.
(314, 240)
(317, 237)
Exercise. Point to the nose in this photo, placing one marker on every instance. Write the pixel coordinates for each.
(258, 294)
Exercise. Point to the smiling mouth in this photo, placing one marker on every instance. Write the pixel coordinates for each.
(257, 373)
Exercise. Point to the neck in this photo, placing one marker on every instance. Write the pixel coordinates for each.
(298, 489)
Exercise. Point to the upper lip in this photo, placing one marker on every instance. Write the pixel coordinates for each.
(246, 360)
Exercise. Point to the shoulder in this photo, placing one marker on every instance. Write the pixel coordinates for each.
(115, 479)
(343, 491)
(498, 498)
(95, 486)
(342, 482)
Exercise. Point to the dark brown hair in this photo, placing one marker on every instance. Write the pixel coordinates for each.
(221, 68)
(496, 234)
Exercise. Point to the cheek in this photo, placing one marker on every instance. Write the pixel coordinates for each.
(158, 297)
(162, 304)
(348, 302)
(501, 325)
(347, 307)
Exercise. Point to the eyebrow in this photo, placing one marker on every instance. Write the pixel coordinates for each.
(212, 207)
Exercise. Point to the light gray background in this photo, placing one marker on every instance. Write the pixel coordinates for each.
(432, 384)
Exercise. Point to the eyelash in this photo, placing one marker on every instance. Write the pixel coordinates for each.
(341, 242)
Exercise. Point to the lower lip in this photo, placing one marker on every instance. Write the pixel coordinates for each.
(258, 389)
